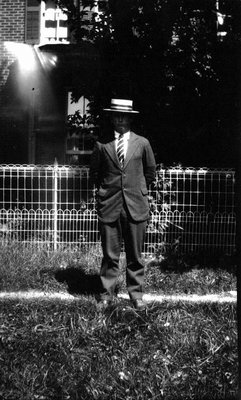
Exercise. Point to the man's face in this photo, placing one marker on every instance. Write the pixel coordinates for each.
(121, 122)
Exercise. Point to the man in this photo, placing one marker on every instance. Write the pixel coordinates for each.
(122, 167)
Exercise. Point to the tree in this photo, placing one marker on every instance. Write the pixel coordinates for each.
(165, 54)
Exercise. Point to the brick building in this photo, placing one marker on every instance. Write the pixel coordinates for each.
(38, 62)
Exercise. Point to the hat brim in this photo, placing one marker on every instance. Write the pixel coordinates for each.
(121, 111)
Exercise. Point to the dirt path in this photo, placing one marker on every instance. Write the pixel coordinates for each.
(227, 297)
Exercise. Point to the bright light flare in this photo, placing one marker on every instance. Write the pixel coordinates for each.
(25, 55)
(47, 60)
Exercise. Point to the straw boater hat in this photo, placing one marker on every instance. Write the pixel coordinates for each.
(121, 105)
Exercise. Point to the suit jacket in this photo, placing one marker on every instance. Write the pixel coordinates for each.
(130, 183)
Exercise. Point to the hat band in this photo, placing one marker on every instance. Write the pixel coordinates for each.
(121, 107)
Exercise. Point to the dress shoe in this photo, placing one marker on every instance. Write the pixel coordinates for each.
(139, 304)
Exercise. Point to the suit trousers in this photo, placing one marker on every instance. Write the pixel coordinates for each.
(112, 234)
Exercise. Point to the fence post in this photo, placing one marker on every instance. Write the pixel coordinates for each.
(238, 263)
(55, 205)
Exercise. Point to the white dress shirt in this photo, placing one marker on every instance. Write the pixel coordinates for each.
(126, 137)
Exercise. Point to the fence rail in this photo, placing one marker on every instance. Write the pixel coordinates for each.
(54, 207)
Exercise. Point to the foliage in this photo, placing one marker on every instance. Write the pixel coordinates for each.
(162, 192)
(13, 227)
(161, 197)
(83, 132)
(170, 61)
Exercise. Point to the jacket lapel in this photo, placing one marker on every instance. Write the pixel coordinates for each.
(132, 146)
(110, 148)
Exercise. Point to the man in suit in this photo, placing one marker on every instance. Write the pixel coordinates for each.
(122, 167)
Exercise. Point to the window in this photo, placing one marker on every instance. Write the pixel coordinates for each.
(80, 135)
(55, 25)
(32, 22)
(45, 23)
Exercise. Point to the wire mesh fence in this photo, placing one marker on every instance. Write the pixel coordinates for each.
(55, 207)
(34, 187)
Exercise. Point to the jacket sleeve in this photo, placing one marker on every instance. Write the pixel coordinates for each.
(95, 166)
(149, 164)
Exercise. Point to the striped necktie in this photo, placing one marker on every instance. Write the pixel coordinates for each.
(120, 149)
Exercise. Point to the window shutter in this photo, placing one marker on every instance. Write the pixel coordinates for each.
(33, 25)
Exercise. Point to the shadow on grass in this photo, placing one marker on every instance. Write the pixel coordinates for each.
(181, 263)
(78, 281)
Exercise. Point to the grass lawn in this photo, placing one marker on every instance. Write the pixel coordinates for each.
(78, 272)
(75, 350)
